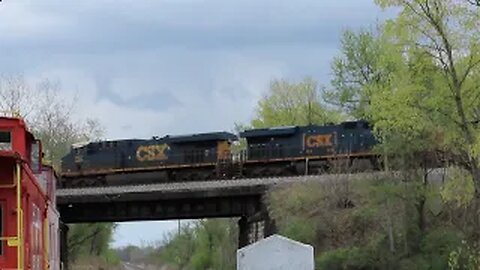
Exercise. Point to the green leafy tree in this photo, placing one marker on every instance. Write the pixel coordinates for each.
(357, 70)
(204, 245)
(89, 240)
(290, 103)
(438, 86)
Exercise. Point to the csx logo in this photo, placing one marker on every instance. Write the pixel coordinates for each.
(152, 152)
(313, 141)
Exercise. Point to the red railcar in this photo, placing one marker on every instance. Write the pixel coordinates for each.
(29, 221)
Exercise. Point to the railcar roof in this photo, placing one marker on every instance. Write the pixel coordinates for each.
(264, 132)
(289, 130)
(212, 136)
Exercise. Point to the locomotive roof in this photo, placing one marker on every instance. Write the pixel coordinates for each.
(288, 130)
(212, 136)
(275, 131)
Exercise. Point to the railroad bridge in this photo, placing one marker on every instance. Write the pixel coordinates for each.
(241, 198)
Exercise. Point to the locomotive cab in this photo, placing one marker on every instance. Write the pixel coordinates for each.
(355, 137)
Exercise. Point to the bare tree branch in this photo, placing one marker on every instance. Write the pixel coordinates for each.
(474, 2)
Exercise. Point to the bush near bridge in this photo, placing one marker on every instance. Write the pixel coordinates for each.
(388, 222)
(379, 223)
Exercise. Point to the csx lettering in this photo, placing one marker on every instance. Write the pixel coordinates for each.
(313, 141)
(151, 152)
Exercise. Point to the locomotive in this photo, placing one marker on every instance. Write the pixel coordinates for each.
(280, 151)
(29, 221)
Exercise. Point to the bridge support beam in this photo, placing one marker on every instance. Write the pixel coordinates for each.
(64, 246)
(243, 232)
(254, 228)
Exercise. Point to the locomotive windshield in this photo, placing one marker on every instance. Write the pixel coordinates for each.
(5, 141)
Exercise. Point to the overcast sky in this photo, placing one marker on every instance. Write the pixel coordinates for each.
(156, 67)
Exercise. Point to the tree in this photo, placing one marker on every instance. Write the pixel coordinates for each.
(443, 38)
(474, 2)
(289, 103)
(50, 117)
(89, 239)
(356, 70)
(427, 97)
(205, 244)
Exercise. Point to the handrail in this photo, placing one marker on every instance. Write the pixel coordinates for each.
(16, 240)
(46, 242)
(20, 247)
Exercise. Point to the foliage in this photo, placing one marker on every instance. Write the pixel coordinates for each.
(356, 70)
(464, 257)
(206, 244)
(289, 103)
(88, 240)
(342, 258)
(459, 187)
(51, 117)
(379, 228)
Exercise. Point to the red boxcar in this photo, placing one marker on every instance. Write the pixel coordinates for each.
(29, 221)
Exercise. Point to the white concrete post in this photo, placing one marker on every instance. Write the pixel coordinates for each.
(276, 253)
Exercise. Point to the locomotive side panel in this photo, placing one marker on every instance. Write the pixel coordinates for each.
(272, 143)
(355, 138)
(318, 141)
(169, 157)
(291, 142)
(309, 149)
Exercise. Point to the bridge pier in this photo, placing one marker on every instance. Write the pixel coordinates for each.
(64, 246)
(242, 232)
(254, 228)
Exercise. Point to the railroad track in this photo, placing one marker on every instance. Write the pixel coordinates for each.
(435, 175)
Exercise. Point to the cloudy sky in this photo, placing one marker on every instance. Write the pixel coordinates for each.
(155, 67)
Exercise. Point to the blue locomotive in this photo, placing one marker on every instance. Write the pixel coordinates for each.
(278, 151)
(309, 149)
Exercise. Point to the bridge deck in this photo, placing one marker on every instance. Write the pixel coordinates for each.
(224, 198)
(177, 190)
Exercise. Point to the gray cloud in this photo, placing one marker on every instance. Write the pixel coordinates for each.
(96, 27)
(173, 66)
